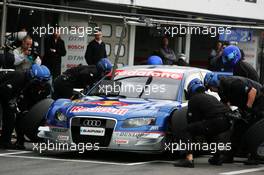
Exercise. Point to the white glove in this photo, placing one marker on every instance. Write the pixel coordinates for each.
(38, 60)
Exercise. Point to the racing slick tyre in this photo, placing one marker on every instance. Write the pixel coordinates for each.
(178, 121)
(34, 118)
(1, 114)
(254, 139)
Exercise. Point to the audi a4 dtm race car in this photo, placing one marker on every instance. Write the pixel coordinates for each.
(140, 110)
(131, 113)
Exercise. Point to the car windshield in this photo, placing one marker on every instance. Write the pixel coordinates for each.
(146, 87)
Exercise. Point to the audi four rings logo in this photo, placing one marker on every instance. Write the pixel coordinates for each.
(92, 123)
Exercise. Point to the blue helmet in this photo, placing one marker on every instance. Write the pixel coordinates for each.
(211, 80)
(39, 72)
(104, 65)
(231, 55)
(154, 60)
(194, 86)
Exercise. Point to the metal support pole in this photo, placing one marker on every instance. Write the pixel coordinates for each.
(3, 25)
(119, 48)
(187, 47)
(172, 21)
(131, 49)
(262, 61)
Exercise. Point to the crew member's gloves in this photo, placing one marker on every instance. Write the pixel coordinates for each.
(13, 105)
(234, 115)
(248, 113)
(248, 109)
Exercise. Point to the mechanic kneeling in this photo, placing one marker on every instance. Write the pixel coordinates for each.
(80, 77)
(244, 93)
(206, 116)
(18, 93)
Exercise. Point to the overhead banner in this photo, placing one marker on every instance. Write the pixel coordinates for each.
(250, 49)
(237, 35)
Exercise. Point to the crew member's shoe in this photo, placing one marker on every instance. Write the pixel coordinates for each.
(184, 163)
(7, 146)
(220, 159)
(251, 161)
(20, 147)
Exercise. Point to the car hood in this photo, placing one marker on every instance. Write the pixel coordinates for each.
(119, 108)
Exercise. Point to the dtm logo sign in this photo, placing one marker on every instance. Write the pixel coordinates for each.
(93, 123)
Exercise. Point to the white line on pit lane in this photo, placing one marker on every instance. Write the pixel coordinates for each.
(243, 171)
(15, 152)
(12, 155)
(15, 155)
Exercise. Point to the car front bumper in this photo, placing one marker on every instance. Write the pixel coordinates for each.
(120, 140)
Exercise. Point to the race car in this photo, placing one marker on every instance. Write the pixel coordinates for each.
(140, 109)
(131, 113)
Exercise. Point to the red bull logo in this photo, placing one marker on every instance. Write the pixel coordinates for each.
(108, 103)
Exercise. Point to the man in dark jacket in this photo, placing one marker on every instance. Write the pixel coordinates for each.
(54, 50)
(247, 95)
(167, 54)
(206, 116)
(21, 90)
(81, 76)
(95, 50)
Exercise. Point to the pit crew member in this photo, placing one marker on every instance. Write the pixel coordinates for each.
(232, 58)
(80, 77)
(206, 116)
(19, 88)
(244, 93)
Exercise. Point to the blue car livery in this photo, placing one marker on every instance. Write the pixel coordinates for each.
(133, 118)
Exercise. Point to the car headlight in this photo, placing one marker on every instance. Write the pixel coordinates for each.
(137, 122)
(60, 116)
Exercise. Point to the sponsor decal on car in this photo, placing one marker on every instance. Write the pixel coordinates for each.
(99, 109)
(63, 138)
(154, 128)
(154, 73)
(59, 129)
(131, 134)
(92, 131)
(101, 103)
(121, 142)
(107, 103)
(139, 135)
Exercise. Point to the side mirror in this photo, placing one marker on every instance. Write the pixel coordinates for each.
(77, 93)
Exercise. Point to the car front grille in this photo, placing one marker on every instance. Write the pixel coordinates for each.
(103, 141)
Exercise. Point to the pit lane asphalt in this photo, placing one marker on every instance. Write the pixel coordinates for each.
(27, 162)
